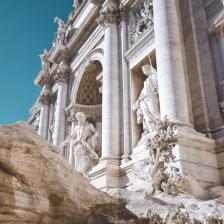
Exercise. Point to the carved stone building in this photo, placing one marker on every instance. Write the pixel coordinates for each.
(99, 63)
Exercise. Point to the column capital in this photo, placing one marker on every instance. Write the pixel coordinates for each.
(62, 74)
(109, 14)
(46, 97)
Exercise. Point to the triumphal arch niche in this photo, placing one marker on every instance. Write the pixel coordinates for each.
(86, 97)
(127, 86)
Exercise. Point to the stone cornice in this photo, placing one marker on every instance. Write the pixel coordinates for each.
(85, 28)
(94, 38)
(73, 15)
(57, 51)
(146, 39)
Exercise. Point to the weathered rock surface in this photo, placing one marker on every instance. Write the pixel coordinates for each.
(168, 208)
(38, 186)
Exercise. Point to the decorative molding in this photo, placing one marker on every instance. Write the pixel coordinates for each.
(90, 56)
(94, 39)
(145, 21)
(110, 14)
(62, 74)
(140, 45)
(47, 97)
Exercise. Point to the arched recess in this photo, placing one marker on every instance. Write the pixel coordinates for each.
(137, 84)
(86, 91)
(95, 56)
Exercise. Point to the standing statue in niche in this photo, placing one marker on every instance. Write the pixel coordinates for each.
(61, 33)
(147, 105)
(84, 143)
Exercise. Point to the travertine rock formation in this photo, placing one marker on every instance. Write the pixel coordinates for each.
(38, 186)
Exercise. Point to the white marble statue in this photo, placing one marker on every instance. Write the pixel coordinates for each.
(44, 60)
(147, 105)
(61, 33)
(84, 143)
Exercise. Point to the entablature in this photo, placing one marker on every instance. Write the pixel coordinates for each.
(141, 48)
(87, 47)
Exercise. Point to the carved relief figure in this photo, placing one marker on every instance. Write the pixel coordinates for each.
(61, 33)
(147, 105)
(44, 60)
(84, 143)
(145, 20)
(146, 17)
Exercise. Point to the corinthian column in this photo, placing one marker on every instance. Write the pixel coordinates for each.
(61, 78)
(111, 93)
(45, 100)
(171, 80)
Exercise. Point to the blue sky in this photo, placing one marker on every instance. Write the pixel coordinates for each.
(26, 28)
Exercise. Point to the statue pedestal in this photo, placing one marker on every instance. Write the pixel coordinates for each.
(195, 154)
(106, 174)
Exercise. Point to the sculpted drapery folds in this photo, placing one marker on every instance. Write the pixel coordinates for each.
(147, 105)
(84, 143)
